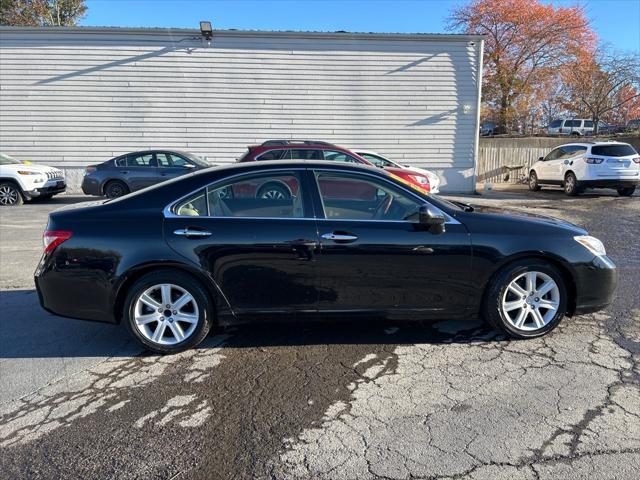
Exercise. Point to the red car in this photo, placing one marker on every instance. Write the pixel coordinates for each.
(316, 150)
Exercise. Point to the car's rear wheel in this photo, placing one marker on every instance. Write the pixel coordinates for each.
(115, 189)
(526, 299)
(571, 186)
(168, 311)
(534, 186)
(626, 191)
(10, 195)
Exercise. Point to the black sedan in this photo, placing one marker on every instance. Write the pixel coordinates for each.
(351, 241)
(134, 171)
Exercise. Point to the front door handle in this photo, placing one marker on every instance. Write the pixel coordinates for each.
(192, 233)
(340, 237)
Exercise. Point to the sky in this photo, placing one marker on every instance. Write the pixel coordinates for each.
(616, 22)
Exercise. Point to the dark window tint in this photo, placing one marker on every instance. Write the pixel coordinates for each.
(555, 124)
(376, 160)
(121, 162)
(306, 154)
(588, 124)
(573, 123)
(554, 154)
(570, 151)
(145, 160)
(613, 150)
(274, 155)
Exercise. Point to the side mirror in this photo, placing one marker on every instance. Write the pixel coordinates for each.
(431, 219)
(540, 159)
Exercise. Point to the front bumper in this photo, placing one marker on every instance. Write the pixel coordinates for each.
(596, 284)
(51, 187)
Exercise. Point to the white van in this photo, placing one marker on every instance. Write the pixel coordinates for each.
(574, 126)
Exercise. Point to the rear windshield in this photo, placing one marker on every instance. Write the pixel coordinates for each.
(613, 150)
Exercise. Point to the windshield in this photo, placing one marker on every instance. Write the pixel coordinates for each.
(7, 160)
(618, 150)
(201, 162)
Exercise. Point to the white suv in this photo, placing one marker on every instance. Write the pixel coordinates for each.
(577, 166)
(25, 181)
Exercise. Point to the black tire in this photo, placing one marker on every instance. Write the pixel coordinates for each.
(115, 189)
(626, 191)
(492, 305)
(183, 281)
(273, 190)
(10, 195)
(534, 186)
(571, 185)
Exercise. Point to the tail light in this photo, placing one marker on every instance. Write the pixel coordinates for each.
(636, 159)
(52, 238)
(593, 160)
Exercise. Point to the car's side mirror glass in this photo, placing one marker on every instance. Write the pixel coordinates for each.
(541, 159)
(432, 219)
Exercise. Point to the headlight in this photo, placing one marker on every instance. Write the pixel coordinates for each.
(27, 172)
(592, 244)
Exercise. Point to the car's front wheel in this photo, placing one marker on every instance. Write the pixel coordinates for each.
(626, 191)
(534, 186)
(526, 299)
(168, 311)
(10, 195)
(273, 191)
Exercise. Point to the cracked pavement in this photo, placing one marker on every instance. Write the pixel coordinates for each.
(340, 400)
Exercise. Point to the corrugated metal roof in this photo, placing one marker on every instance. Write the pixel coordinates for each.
(261, 33)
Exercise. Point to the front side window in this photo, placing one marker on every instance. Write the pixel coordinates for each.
(306, 154)
(145, 160)
(335, 156)
(376, 160)
(178, 161)
(163, 159)
(266, 195)
(554, 154)
(347, 196)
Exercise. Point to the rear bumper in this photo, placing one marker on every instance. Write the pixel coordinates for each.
(611, 183)
(596, 284)
(91, 186)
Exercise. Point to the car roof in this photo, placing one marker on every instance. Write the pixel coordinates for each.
(591, 144)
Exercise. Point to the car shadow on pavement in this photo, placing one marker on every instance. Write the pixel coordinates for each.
(31, 332)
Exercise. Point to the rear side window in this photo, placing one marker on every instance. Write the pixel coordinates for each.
(613, 150)
(572, 151)
(588, 124)
(274, 155)
(573, 123)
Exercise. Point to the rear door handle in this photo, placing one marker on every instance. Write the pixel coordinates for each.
(339, 237)
(192, 233)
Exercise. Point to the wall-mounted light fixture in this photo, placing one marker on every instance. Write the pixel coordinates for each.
(206, 31)
(466, 109)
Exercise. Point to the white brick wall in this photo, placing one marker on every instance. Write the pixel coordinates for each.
(70, 97)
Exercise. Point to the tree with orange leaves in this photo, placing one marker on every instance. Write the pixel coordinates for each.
(523, 38)
(602, 84)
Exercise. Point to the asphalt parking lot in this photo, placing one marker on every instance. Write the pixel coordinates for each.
(344, 400)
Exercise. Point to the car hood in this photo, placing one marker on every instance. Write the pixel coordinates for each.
(30, 167)
(527, 217)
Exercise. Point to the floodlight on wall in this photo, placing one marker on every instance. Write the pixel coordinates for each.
(206, 31)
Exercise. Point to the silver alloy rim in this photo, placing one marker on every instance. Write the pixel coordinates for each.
(569, 183)
(166, 314)
(532, 180)
(273, 194)
(8, 195)
(531, 301)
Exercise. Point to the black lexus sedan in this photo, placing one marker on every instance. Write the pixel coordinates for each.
(134, 171)
(212, 248)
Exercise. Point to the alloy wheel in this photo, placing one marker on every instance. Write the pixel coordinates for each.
(166, 314)
(8, 195)
(273, 195)
(531, 301)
